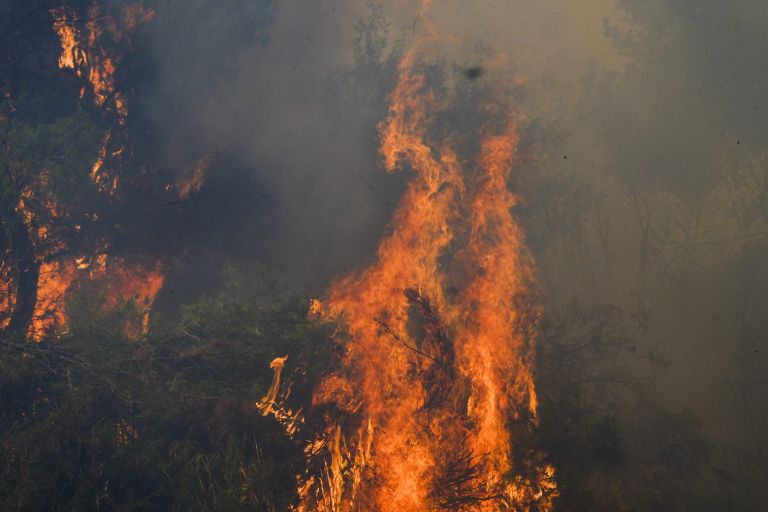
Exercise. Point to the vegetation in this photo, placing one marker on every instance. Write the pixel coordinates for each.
(98, 422)
(95, 419)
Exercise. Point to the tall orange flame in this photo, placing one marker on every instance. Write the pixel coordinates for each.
(50, 316)
(435, 387)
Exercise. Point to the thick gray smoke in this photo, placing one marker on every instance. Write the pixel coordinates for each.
(271, 93)
(647, 184)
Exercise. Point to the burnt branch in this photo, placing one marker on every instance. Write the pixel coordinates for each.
(399, 339)
(459, 485)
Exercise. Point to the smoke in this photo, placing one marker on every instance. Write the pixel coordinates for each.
(288, 94)
(268, 91)
(284, 93)
(647, 128)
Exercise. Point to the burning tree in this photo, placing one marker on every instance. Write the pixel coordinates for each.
(66, 146)
(45, 198)
(433, 404)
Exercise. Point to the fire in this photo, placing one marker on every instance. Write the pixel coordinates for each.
(7, 295)
(85, 52)
(50, 316)
(436, 387)
(495, 331)
(94, 53)
(102, 179)
(121, 283)
(194, 180)
(268, 402)
(273, 403)
(90, 48)
(125, 283)
(71, 54)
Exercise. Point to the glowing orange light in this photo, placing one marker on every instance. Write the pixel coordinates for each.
(130, 283)
(7, 295)
(50, 316)
(437, 339)
(194, 180)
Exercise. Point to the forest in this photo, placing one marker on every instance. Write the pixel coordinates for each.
(359, 255)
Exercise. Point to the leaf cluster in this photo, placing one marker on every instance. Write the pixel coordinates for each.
(169, 422)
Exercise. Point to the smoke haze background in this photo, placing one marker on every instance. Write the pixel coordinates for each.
(647, 121)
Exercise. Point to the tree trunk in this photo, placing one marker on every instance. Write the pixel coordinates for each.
(28, 268)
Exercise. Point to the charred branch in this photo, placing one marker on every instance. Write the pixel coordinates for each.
(459, 486)
(438, 379)
(385, 327)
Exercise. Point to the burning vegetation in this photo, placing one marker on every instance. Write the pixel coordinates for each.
(147, 361)
(92, 46)
(435, 397)
(84, 49)
(54, 221)
(433, 401)
(434, 404)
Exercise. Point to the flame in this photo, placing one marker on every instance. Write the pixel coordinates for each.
(494, 333)
(268, 402)
(86, 59)
(45, 241)
(7, 295)
(436, 378)
(50, 316)
(55, 276)
(94, 53)
(96, 176)
(194, 181)
(274, 402)
(86, 51)
(123, 283)
(72, 56)
(120, 281)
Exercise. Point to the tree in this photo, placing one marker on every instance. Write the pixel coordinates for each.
(169, 422)
(48, 146)
(613, 447)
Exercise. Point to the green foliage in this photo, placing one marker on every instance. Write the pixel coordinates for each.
(167, 422)
(62, 150)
